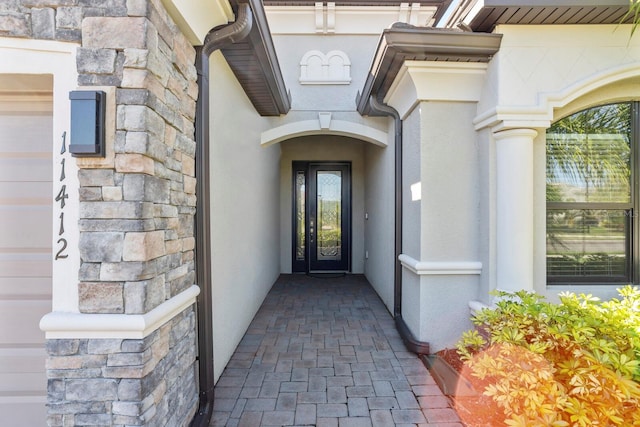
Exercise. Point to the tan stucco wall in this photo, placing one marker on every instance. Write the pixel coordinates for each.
(245, 212)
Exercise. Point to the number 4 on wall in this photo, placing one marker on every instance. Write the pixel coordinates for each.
(62, 194)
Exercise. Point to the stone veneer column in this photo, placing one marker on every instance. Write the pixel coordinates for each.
(114, 363)
(514, 209)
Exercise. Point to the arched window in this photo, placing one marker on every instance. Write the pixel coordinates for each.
(593, 232)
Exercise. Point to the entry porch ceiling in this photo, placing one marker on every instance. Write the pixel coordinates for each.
(543, 12)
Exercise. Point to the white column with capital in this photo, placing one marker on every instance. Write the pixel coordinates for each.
(514, 209)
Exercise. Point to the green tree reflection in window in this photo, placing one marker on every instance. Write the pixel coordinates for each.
(589, 197)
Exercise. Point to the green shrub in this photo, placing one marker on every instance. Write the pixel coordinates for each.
(576, 363)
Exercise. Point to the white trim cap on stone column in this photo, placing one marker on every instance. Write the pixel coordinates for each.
(64, 325)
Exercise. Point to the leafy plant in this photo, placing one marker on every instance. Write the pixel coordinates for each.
(634, 13)
(575, 363)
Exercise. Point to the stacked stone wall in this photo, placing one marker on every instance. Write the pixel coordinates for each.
(136, 211)
(124, 382)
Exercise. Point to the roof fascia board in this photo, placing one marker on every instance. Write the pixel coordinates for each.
(399, 44)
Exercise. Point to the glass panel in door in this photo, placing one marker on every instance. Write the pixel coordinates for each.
(300, 216)
(329, 215)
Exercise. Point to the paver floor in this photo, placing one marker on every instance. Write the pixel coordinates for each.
(325, 352)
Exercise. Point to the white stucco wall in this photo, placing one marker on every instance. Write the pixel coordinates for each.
(449, 175)
(450, 220)
(324, 148)
(411, 176)
(542, 61)
(245, 225)
(338, 99)
(341, 97)
(411, 218)
(541, 74)
(440, 148)
(379, 228)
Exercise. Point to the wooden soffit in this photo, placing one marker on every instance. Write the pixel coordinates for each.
(254, 62)
(485, 15)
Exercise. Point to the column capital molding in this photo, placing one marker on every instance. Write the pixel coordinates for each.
(435, 81)
(503, 118)
(515, 133)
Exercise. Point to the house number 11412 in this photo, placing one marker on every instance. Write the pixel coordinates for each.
(61, 198)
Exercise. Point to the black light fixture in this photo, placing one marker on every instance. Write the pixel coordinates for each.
(87, 123)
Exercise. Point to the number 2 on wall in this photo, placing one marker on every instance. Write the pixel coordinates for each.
(60, 254)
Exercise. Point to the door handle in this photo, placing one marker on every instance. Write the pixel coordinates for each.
(311, 235)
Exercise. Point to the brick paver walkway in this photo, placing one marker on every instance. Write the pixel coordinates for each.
(325, 352)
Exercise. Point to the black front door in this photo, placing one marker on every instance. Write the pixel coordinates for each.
(322, 216)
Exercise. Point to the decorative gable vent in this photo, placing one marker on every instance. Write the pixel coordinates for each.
(316, 68)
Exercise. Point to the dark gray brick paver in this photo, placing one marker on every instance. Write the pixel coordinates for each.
(336, 395)
(324, 352)
(306, 414)
(358, 407)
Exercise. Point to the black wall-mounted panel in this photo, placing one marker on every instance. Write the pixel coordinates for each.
(87, 123)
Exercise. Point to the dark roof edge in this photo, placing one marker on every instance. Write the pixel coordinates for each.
(262, 46)
(283, 98)
(494, 12)
(400, 43)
